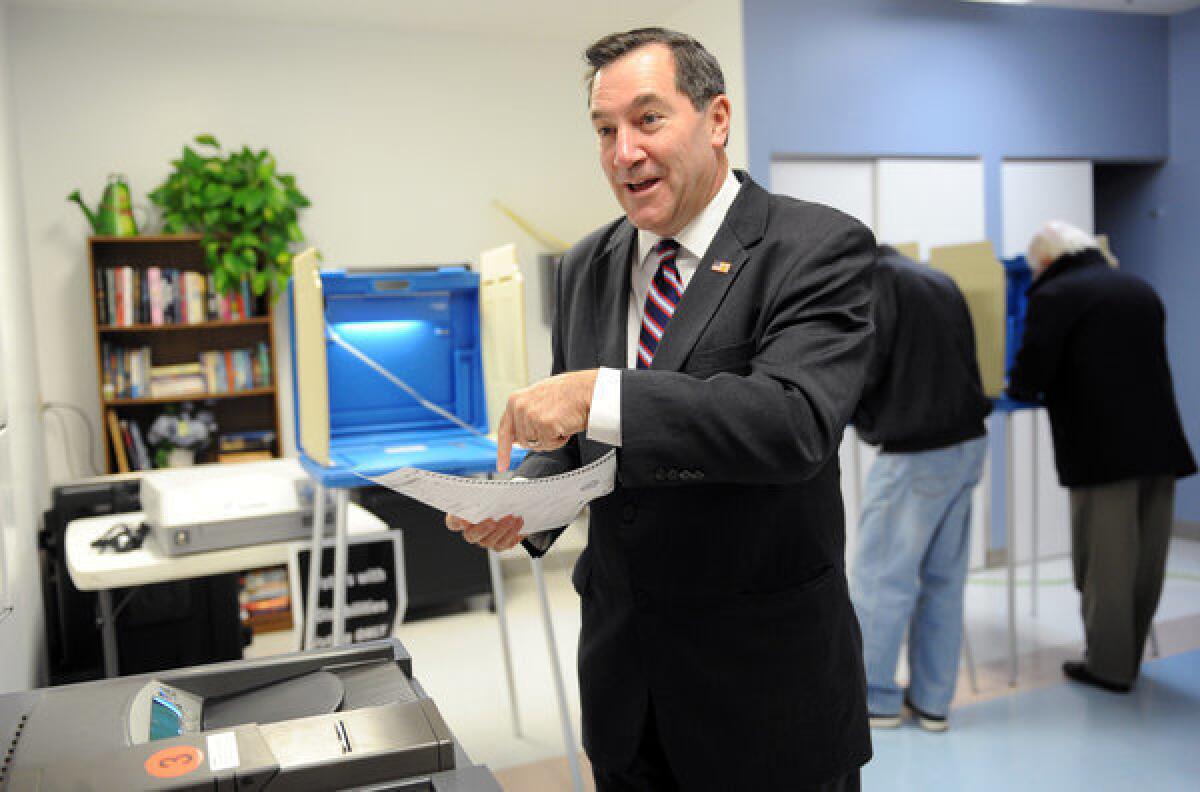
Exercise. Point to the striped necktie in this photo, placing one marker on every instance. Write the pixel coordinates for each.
(661, 298)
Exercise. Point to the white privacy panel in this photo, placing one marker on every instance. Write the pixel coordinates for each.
(1035, 191)
(1039, 190)
(846, 185)
(930, 201)
(1032, 443)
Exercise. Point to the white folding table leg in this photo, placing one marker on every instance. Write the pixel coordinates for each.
(500, 602)
(314, 566)
(564, 713)
(969, 656)
(340, 552)
(1010, 520)
(856, 477)
(1033, 518)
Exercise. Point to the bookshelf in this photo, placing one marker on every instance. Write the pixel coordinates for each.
(163, 339)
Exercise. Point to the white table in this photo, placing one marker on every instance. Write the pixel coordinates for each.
(101, 571)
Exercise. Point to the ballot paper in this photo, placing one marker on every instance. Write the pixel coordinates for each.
(544, 503)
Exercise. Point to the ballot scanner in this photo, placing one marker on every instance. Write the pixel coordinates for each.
(195, 510)
(349, 718)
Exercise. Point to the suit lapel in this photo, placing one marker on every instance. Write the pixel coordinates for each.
(726, 256)
(611, 277)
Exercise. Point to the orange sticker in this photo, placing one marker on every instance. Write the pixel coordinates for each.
(174, 762)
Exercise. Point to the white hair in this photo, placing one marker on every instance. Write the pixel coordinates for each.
(1057, 239)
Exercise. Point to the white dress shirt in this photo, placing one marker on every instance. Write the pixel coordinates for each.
(604, 421)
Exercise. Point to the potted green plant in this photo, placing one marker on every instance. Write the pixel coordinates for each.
(244, 207)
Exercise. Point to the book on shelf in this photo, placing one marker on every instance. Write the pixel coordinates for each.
(157, 295)
(236, 457)
(125, 372)
(251, 440)
(141, 454)
(118, 441)
(178, 379)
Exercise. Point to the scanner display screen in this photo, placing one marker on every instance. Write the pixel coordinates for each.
(166, 718)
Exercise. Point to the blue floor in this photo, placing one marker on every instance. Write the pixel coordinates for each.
(1063, 738)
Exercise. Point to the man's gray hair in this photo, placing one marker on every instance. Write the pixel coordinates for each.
(697, 74)
(1057, 239)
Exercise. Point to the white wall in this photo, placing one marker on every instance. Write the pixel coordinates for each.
(22, 646)
(401, 139)
(717, 24)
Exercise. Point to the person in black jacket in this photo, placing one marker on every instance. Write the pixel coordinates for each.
(1095, 354)
(924, 406)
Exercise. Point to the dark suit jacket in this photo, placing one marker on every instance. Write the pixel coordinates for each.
(1095, 352)
(924, 390)
(713, 582)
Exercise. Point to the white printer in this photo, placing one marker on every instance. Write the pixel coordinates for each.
(206, 508)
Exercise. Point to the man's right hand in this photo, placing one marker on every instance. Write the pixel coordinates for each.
(497, 535)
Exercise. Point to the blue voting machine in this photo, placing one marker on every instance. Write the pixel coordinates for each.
(350, 331)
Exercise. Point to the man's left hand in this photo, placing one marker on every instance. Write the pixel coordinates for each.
(545, 415)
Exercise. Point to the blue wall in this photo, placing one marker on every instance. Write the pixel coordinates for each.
(1156, 231)
(941, 78)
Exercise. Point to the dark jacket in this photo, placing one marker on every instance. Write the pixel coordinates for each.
(924, 391)
(713, 581)
(1094, 352)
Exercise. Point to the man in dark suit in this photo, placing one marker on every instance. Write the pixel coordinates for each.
(1094, 351)
(717, 336)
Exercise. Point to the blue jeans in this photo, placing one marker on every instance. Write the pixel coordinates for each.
(910, 567)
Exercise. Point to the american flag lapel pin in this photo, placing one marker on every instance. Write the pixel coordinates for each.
(721, 267)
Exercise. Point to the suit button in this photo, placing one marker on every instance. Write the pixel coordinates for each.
(629, 512)
(641, 599)
(660, 474)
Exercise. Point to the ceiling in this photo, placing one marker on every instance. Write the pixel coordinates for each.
(524, 18)
(1129, 6)
(545, 19)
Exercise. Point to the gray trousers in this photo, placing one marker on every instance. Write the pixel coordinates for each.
(1119, 538)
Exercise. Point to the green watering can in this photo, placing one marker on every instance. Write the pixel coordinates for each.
(114, 215)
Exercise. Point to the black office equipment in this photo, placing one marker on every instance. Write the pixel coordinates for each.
(165, 625)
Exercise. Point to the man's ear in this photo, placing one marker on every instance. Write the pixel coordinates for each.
(719, 111)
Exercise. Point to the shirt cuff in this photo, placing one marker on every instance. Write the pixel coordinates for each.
(604, 420)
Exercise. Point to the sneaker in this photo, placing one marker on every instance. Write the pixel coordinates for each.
(928, 722)
(1079, 672)
(883, 721)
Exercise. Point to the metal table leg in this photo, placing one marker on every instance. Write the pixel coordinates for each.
(502, 620)
(856, 478)
(969, 657)
(314, 566)
(340, 555)
(108, 633)
(560, 689)
(1033, 518)
(1011, 549)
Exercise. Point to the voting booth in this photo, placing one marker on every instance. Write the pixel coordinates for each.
(388, 373)
(980, 278)
(419, 326)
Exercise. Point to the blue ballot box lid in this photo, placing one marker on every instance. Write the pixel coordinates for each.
(421, 326)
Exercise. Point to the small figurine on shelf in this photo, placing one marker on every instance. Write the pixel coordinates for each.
(177, 436)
